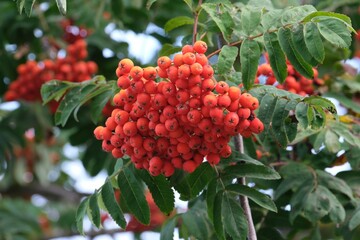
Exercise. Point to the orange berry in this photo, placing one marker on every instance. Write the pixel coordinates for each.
(200, 46)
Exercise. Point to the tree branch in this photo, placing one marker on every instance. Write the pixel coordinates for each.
(239, 146)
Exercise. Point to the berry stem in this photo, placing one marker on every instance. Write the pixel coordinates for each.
(239, 146)
(196, 20)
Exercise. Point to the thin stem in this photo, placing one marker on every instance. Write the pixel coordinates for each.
(196, 20)
(239, 146)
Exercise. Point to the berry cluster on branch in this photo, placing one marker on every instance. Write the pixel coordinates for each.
(32, 74)
(181, 119)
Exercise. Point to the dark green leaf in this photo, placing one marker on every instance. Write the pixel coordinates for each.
(249, 60)
(29, 4)
(211, 191)
(117, 8)
(314, 42)
(134, 196)
(149, 3)
(221, 16)
(235, 223)
(189, 3)
(227, 58)
(298, 39)
(250, 19)
(168, 49)
(54, 90)
(80, 213)
(61, 6)
(167, 230)
(218, 218)
(256, 196)
(108, 197)
(293, 15)
(292, 54)
(334, 183)
(335, 31)
(271, 19)
(337, 16)
(161, 191)
(301, 113)
(94, 210)
(250, 170)
(98, 105)
(276, 56)
(344, 101)
(320, 102)
(178, 22)
(343, 131)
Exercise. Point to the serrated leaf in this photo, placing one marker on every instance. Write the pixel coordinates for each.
(332, 141)
(108, 197)
(80, 213)
(334, 31)
(256, 196)
(177, 22)
(314, 42)
(98, 105)
(197, 223)
(320, 102)
(161, 191)
(250, 19)
(168, 49)
(149, 3)
(292, 54)
(337, 16)
(198, 179)
(134, 196)
(249, 60)
(211, 191)
(189, 3)
(168, 228)
(334, 183)
(54, 90)
(94, 210)
(276, 56)
(348, 103)
(221, 16)
(70, 101)
(293, 15)
(250, 170)
(292, 182)
(266, 113)
(298, 39)
(20, 5)
(355, 220)
(61, 6)
(301, 113)
(29, 4)
(343, 131)
(218, 218)
(271, 19)
(227, 58)
(235, 223)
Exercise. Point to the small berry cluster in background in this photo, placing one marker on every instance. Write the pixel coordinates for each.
(32, 74)
(294, 82)
(179, 120)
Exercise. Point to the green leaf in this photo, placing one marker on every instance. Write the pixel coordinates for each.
(149, 3)
(334, 31)
(108, 197)
(80, 213)
(29, 4)
(168, 49)
(334, 183)
(292, 54)
(249, 60)
(70, 101)
(61, 6)
(332, 141)
(276, 56)
(250, 170)
(211, 191)
(235, 223)
(256, 196)
(197, 223)
(218, 218)
(54, 90)
(98, 104)
(168, 228)
(301, 113)
(227, 58)
(221, 16)
(348, 103)
(298, 39)
(314, 42)
(343, 131)
(161, 191)
(293, 15)
(177, 22)
(94, 210)
(134, 196)
(117, 8)
(355, 220)
(189, 3)
(250, 19)
(20, 5)
(292, 182)
(337, 16)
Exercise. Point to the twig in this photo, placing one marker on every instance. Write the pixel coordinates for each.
(239, 146)
(196, 20)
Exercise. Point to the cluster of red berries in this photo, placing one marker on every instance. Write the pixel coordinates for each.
(294, 82)
(179, 121)
(72, 33)
(32, 74)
